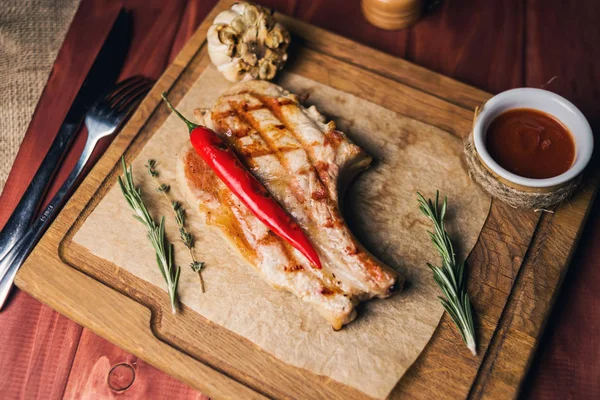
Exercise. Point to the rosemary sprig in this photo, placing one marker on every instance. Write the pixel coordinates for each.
(186, 236)
(450, 277)
(188, 240)
(156, 233)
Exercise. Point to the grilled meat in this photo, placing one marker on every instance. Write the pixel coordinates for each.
(304, 163)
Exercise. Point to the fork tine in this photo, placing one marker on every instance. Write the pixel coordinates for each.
(117, 101)
(134, 102)
(127, 81)
(123, 87)
(133, 96)
(105, 100)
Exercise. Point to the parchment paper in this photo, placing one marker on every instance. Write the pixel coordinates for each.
(372, 353)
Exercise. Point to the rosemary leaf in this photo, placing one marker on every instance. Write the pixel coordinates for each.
(150, 167)
(179, 214)
(450, 277)
(156, 233)
(198, 266)
(186, 238)
(163, 188)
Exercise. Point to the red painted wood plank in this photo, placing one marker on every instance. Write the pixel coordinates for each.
(37, 346)
(345, 18)
(476, 42)
(100, 369)
(562, 41)
(194, 13)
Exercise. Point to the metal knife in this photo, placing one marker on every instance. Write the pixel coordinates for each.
(101, 75)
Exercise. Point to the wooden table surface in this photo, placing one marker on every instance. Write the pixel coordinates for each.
(494, 45)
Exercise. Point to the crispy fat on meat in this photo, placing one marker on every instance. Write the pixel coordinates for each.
(305, 164)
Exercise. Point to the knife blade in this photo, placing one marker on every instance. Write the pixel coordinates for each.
(102, 74)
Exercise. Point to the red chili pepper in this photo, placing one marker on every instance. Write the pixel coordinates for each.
(224, 162)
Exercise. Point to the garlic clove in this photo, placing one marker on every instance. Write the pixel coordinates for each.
(267, 70)
(227, 35)
(231, 50)
(251, 34)
(268, 22)
(239, 8)
(219, 58)
(225, 17)
(238, 25)
(274, 39)
(247, 56)
(232, 71)
(212, 37)
(285, 35)
(218, 52)
(251, 15)
(269, 55)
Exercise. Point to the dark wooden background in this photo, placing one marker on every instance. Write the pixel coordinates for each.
(493, 45)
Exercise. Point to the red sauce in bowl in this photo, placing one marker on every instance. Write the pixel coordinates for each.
(530, 143)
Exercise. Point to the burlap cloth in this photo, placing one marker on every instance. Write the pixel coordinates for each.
(31, 33)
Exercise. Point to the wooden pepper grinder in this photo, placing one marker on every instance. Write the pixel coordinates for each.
(392, 14)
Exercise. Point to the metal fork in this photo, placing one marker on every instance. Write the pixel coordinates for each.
(101, 120)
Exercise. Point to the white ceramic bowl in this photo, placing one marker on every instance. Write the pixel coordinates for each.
(550, 103)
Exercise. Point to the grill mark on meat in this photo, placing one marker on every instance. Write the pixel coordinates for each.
(297, 191)
(322, 171)
(274, 105)
(240, 133)
(281, 101)
(252, 151)
(222, 126)
(294, 268)
(319, 194)
(333, 138)
(351, 250)
(327, 291)
(248, 127)
(294, 264)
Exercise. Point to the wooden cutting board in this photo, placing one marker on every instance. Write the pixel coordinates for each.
(515, 269)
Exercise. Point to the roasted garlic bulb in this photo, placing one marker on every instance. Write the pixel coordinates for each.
(245, 42)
